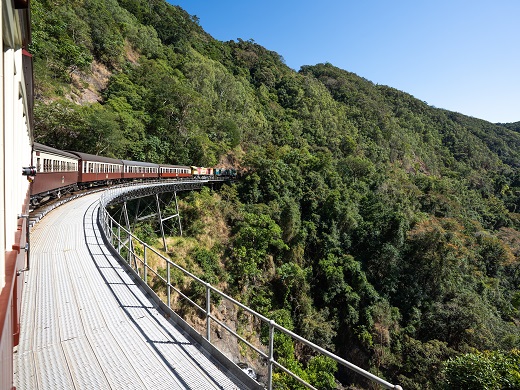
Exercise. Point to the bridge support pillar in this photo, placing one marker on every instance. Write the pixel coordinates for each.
(162, 220)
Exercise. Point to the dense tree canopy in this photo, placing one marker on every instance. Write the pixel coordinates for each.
(366, 220)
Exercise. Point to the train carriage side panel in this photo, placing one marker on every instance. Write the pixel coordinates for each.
(98, 169)
(201, 172)
(16, 97)
(55, 170)
(140, 170)
(174, 172)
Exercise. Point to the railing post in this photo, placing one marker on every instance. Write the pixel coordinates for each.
(145, 271)
(208, 312)
(271, 356)
(119, 239)
(111, 227)
(169, 283)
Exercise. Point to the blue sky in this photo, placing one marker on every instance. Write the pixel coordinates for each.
(461, 55)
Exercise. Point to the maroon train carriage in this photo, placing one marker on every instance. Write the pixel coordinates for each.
(56, 173)
(140, 170)
(174, 171)
(98, 170)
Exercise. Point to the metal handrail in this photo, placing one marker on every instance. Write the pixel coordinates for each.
(109, 225)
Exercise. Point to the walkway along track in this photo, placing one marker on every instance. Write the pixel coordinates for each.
(87, 325)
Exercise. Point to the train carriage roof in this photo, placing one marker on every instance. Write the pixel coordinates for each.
(174, 166)
(94, 158)
(139, 163)
(47, 149)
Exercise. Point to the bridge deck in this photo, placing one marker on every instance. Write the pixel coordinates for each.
(86, 325)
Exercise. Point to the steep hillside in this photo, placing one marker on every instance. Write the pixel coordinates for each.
(369, 222)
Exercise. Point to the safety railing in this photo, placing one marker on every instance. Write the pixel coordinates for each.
(137, 255)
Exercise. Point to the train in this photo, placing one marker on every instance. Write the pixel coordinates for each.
(57, 172)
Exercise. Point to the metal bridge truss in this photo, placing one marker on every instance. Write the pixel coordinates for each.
(149, 208)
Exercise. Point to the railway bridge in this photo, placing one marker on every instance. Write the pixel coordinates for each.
(87, 325)
(90, 320)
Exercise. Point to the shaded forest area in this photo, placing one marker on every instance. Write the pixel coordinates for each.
(367, 221)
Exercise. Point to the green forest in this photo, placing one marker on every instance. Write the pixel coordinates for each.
(365, 220)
